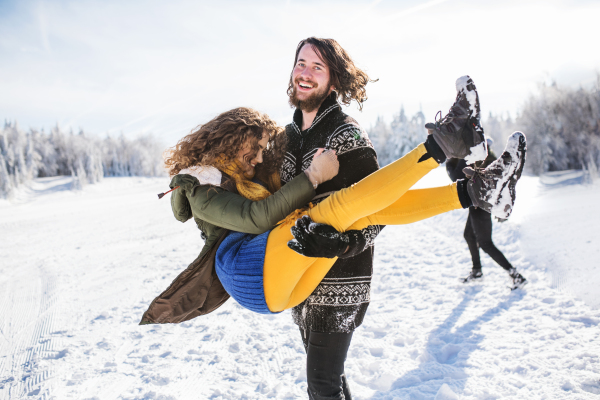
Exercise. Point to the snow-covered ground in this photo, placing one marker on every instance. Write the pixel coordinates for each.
(78, 268)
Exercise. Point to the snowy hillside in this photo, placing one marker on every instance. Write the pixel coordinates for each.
(78, 268)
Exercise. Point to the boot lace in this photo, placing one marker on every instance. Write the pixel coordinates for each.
(439, 120)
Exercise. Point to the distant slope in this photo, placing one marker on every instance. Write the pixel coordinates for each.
(560, 231)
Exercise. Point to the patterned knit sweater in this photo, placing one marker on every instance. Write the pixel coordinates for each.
(340, 301)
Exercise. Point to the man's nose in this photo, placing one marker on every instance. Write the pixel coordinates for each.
(306, 73)
(259, 158)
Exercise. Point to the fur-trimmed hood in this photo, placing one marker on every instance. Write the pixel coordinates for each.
(206, 174)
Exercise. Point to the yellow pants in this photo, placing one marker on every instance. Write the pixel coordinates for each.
(382, 198)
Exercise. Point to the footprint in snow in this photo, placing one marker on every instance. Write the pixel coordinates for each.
(376, 351)
(448, 353)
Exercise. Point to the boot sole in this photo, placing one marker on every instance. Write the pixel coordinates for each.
(466, 85)
(516, 148)
(478, 152)
(519, 286)
(471, 281)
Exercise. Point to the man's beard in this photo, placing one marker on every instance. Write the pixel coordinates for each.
(312, 102)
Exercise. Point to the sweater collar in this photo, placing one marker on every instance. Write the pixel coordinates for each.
(328, 105)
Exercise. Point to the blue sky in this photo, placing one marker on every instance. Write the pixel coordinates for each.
(165, 67)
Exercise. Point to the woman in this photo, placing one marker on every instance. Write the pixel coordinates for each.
(225, 176)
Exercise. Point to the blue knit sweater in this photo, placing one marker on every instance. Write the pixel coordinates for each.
(239, 265)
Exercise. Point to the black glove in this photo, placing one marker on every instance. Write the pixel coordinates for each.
(317, 240)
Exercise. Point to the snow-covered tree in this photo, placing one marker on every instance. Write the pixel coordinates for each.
(399, 137)
(562, 126)
(380, 134)
(87, 158)
(138, 157)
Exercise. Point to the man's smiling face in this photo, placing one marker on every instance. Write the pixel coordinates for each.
(311, 80)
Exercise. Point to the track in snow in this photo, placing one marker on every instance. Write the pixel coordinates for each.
(83, 266)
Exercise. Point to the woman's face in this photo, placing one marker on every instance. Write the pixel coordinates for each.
(245, 153)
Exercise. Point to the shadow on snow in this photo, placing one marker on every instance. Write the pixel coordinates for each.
(444, 358)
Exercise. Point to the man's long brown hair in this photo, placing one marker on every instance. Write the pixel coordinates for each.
(348, 80)
(227, 134)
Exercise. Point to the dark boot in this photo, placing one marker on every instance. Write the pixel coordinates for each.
(493, 189)
(475, 275)
(518, 280)
(459, 133)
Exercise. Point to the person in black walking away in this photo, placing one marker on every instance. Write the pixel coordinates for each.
(478, 230)
(324, 76)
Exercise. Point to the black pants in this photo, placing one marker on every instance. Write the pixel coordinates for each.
(478, 234)
(325, 357)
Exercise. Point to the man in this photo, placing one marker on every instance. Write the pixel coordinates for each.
(323, 74)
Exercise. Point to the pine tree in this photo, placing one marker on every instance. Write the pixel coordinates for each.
(87, 159)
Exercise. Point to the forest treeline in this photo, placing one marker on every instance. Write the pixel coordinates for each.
(562, 126)
(87, 158)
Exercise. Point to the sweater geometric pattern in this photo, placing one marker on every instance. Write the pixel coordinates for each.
(340, 301)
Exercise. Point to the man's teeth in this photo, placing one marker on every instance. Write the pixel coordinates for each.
(304, 85)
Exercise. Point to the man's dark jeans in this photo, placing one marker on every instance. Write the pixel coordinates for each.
(325, 357)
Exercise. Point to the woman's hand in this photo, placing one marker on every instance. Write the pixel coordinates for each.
(324, 166)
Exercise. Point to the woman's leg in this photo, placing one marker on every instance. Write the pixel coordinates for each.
(374, 193)
(415, 205)
(289, 278)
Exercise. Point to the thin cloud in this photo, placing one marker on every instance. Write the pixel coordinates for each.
(362, 12)
(414, 9)
(43, 26)
(169, 67)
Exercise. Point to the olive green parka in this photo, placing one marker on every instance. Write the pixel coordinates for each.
(211, 199)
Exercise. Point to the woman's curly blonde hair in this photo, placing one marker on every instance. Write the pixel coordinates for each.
(227, 134)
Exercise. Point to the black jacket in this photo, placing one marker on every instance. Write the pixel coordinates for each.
(340, 301)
